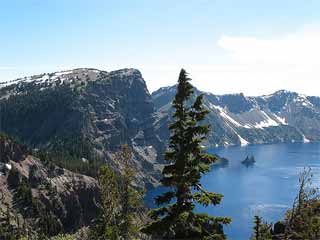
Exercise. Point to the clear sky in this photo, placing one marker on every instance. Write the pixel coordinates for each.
(227, 46)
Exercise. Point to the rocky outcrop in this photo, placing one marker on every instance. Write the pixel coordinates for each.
(87, 111)
(30, 189)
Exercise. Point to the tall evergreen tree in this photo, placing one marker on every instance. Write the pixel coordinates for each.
(187, 162)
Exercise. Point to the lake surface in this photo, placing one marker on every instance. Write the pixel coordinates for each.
(266, 189)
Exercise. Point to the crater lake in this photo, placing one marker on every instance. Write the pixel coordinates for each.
(267, 188)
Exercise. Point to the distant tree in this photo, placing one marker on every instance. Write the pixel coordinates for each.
(10, 225)
(187, 162)
(120, 201)
(257, 227)
(262, 230)
(46, 224)
(106, 226)
(131, 199)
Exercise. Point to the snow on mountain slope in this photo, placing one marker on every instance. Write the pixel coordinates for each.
(254, 118)
(85, 107)
(237, 119)
(53, 79)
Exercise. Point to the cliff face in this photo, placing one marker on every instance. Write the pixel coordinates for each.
(87, 112)
(239, 120)
(31, 190)
(85, 109)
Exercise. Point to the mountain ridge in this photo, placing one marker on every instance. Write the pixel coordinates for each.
(88, 112)
(87, 69)
(289, 112)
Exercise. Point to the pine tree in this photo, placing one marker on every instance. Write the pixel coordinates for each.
(187, 162)
(262, 230)
(131, 199)
(257, 227)
(107, 227)
(120, 202)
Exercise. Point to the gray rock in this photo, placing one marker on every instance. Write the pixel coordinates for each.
(71, 198)
(105, 108)
(238, 120)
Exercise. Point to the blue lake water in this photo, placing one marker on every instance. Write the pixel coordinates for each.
(266, 189)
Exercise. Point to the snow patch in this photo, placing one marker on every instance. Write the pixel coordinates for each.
(224, 115)
(8, 83)
(243, 142)
(281, 120)
(303, 100)
(43, 79)
(305, 140)
(63, 73)
(268, 122)
(8, 166)
(230, 119)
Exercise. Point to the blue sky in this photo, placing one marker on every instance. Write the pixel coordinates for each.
(254, 47)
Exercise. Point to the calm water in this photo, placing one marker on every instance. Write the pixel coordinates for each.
(267, 189)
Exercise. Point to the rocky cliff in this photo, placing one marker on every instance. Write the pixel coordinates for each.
(86, 114)
(34, 194)
(86, 111)
(239, 120)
